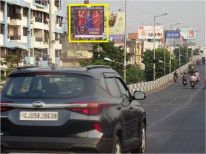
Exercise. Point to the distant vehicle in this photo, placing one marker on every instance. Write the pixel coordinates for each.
(86, 109)
(192, 83)
(191, 68)
(205, 83)
(184, 82)
(203, 60)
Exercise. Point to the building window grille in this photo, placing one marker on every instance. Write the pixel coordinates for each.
(2, 28)
(25, 12)
(25, 31)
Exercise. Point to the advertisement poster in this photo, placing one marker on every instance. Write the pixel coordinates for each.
(117, 39)
(172, 34)
(89, 23)
(188, 33)
(116, 23)
(146, 32)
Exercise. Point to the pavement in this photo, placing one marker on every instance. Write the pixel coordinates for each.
(176, 118)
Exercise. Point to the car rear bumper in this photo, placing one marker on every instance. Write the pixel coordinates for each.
(52, 144)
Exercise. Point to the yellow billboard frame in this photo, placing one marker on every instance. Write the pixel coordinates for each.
(88, 41)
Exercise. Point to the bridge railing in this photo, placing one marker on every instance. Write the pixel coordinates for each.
(160, 82)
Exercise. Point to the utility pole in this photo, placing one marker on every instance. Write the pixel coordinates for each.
(154, 52)
(51, 45)
(179, 55)
(125, 43)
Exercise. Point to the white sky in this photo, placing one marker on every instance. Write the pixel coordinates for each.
(187, 12)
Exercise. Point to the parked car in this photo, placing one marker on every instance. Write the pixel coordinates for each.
(87, 109)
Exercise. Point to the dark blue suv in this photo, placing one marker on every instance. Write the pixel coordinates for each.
(59, 109)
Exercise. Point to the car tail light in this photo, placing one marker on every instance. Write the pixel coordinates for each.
(5, 108)
(97, 127)
(89, 108)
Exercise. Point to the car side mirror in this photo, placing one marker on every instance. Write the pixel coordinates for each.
(139, 95)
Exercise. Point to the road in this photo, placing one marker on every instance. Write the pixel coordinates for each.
(176, 118)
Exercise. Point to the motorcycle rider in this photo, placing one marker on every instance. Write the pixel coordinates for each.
(198, 61)
(184, 77)
(175, 74)
(197, 75)
(193, 78)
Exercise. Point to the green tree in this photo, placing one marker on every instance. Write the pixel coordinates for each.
(134, 74)
(159, 69)
(11, 61)
(183, 55)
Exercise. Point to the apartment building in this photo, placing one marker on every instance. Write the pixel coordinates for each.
(134, 48)
(24, 30)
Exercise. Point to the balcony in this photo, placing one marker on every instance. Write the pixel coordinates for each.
(1, 38)
(16, 19)
(16, 16)
(38, 42)
(15, 37)
(1, 16)
(42, 2)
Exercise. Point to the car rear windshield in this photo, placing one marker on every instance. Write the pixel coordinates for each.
(49, 86)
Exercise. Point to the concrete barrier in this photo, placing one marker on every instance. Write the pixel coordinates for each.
(153, 85)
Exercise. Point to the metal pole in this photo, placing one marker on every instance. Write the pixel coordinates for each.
(164, 61)
(51, 3)
(170, 59)
(125, 44)
(187, 49)
(179, 56)
(154, 51)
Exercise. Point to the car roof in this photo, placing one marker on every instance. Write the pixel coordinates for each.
(94, 71)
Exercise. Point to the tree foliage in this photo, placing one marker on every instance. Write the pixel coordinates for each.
(10, 60)
(183, 55)
(159, 56)
(134, 74)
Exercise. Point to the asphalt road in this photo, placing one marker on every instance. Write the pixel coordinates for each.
(176, 118)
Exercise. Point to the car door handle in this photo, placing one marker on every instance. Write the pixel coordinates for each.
(118, 107)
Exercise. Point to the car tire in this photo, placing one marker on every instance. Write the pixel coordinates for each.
(142, 145)
(117, 146)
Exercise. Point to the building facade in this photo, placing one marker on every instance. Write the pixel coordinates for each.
(24, 26)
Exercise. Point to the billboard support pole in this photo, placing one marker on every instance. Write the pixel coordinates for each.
(125, 44)
(154, 51)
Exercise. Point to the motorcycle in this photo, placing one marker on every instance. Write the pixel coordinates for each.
(175, 78)
(198, 62)
(184, 82)
(192, 83)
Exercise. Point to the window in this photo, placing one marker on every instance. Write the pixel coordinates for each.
(56, 36)
(49, 86)
(2, 28)
(2, 6)
(25, 12)
(25, 31)
(124, 90)
(112, 87)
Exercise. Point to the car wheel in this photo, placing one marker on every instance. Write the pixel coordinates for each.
(142, 146)
(117, 147)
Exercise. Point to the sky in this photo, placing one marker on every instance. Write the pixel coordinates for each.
(190, 13)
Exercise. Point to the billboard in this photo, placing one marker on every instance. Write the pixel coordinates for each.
(88, 23)
(172, 34)
(117, 39)
(146, 32)
(116, 23)
(188, 33)
(133, 36)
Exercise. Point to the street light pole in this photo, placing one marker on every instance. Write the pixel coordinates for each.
(154, 52)
(125, 44)
(154, 72)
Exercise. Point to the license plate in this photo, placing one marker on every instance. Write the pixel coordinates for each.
(38, 116)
